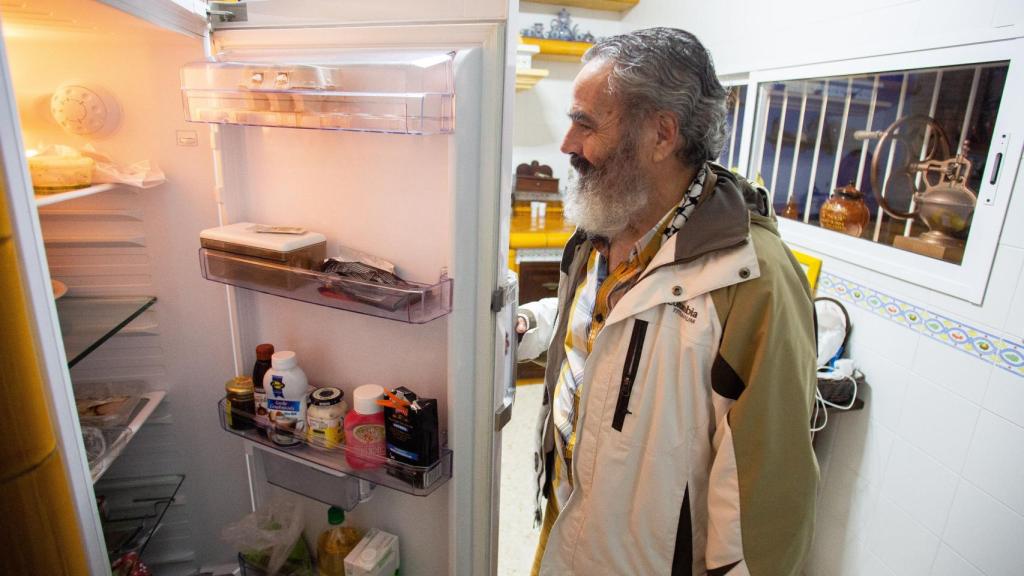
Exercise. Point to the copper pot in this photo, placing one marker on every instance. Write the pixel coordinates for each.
(845, 211)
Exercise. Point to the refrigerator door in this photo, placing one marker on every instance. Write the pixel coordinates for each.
(424, 201)
(26, 236)
(299, 13)
(185, 16)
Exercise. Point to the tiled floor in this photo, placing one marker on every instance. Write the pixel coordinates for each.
(517, 537)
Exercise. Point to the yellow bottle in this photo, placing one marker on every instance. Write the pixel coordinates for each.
(335, 543)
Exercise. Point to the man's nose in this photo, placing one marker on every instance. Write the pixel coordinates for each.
(570, 144)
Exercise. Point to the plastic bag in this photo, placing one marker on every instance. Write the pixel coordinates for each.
(271, 536)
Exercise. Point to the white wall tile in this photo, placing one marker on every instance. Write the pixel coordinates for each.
(920, 485)
(985, 532)
(957, 371)
(938, 422)
(824, 447)
(995, 462)
(1014, 325)
(999, 293)
(861, 445)
(877, 336)
(848, 501)
(949, 563)
(886, 388)
(1005, 396)
(901, 543)
(873, 566)
(834, 551)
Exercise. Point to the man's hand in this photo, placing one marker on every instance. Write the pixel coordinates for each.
(521, 325)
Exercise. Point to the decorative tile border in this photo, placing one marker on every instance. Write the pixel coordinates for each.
(990, 348)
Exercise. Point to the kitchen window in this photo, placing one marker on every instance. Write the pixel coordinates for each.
(902, 163)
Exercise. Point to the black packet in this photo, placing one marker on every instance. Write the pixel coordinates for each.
(412, 438)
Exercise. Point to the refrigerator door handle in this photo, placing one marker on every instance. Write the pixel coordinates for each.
(506, 325)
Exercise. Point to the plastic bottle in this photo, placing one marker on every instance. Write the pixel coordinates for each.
(335, 543)
(286, 388)
(364, 428)
(259, 370)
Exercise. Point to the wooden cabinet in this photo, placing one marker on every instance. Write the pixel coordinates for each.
(536, 280)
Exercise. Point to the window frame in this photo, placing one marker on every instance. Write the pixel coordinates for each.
(968, 280)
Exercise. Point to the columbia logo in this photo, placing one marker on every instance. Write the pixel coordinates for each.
(685, 311)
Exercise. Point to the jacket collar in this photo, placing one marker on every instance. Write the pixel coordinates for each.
(717, 234)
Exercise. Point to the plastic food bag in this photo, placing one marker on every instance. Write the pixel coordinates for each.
(271, 538)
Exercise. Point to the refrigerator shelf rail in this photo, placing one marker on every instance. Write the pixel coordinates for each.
(133, 509)
(415, 480)
(105, 443)
(414, 304)
(400, 92)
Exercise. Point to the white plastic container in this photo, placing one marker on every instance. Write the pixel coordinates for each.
(286, 387)
(375, 555)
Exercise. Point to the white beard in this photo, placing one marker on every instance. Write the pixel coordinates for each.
(607, 199)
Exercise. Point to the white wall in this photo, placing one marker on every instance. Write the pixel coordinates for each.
(927, 479)
(541, 119)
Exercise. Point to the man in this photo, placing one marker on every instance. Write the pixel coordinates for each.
(680, 351)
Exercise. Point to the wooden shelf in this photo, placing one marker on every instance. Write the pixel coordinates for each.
(560, 50)
(609, 5)
(527, 78)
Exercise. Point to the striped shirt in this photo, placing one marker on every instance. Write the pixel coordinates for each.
(592, 303)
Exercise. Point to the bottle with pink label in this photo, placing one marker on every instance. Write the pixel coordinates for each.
(364, 428)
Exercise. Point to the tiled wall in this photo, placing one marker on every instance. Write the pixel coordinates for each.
(929, 478)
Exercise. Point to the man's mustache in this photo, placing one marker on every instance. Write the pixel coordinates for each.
(581, 164)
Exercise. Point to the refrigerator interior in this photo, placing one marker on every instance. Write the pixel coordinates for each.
(400, 197)
(133, 242)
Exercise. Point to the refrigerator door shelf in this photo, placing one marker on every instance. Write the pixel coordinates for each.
(405, 93)
(413, 303)
(415, 480)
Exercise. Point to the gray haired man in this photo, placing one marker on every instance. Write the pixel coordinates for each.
(680, 351)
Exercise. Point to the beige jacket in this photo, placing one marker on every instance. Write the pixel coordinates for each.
(693, 453)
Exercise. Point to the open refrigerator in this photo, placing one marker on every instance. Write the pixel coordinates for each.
(384, 126)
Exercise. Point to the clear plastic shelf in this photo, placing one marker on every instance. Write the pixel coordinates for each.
(87, 322)
(416, 304)
(415, 480)
(398, 92)
(105, 442)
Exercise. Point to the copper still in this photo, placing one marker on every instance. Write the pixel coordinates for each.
(941, 198)
(845, 211)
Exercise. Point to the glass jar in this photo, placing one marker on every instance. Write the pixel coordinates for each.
(845, 211)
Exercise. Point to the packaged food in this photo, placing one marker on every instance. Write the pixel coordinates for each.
(259, 370)
(286, 388)
(362, 276)
(58, 169)
(240, 404)
(364, 428)
(335, 544)
(376, 555)
(411, 435)
(325, 418)
(247, 257)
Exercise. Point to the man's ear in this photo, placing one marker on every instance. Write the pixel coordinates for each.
(667, 138)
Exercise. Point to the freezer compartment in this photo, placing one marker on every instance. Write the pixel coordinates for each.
(415, 480)
(401, 92)
(416, 304)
